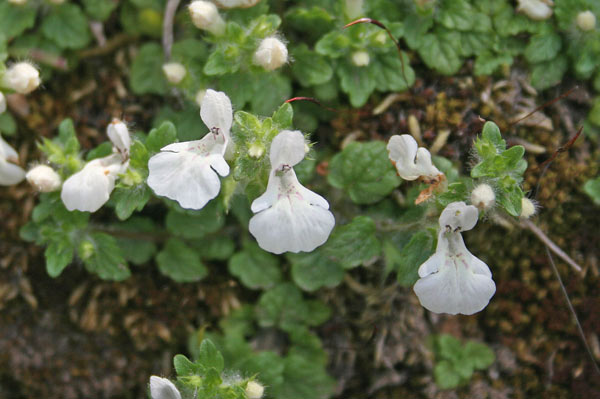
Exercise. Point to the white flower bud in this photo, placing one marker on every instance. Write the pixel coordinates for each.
(118, 134)
(527, 208)
(43, 178)
(483, 197)
(2, 103)
(236, 3)
(18, 2)
(174, 71)
(22, 77)
(271, 54)
(360, 58)
(254, 390)
(205, 16)
(256, 150)
(536, 9)
(586, 21)
(200, 97)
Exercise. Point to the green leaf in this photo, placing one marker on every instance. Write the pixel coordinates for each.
(354, 243)
(487, 62)
(313, 270)
(102, 150)
(439, 52)
(459, 15)
(283, 307)
(543, 47)
(68, 138)
(445, 375)
(303, 379)
(309, 67)
(101, 255)
(217, 248)
(592, 188)
(160, 137)
(146, 74)
(357, 82)
(219, 63)
(391, 74)
(130, 199)
(184, 367)
(180, 262)
(255, 267)
(15, 19)
(99, 10)
(364, 171)
(334, 44)
(480, 355)
(448, 347)
(271, 91)
(8, 125)
(415, 29)
(209, 356)
(510, 197)
(406, 262)
(284, 116)
(548, 74)
(137, 251)
(59, 254)
(196, 224)
(67, 26)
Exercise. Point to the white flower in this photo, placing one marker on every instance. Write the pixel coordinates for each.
(90, 188)
(174, 71)
(483, 196)
(119, 135)
(187, 172)
(236, 3)
(536, 9)
(43, 178)
(452, 279)
(254, 390)
(2, 103)
(360, 58)
(411, 162)
(289, 217)
(161, 388)
(205, 16)
(271, 54)
(9, 172)
(586, 21)
(22, 77)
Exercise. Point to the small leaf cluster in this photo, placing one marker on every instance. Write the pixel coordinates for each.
(206, 377)
(455, 362)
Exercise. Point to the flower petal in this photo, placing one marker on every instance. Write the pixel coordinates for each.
(216, 111)
(402, 151)
(186, 177)
(287, 148)
(292, 226)
(459, 216)
(87, 190)
(161, 388)
(119, 135)
(7, 152)
(10, 173)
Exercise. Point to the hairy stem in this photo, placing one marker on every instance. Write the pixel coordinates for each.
(167, 38)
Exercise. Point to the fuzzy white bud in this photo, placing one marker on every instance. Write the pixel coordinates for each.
(236, 3)
(22, 77)
(205, 16)
(256, 150)
(483, 197)
(174, 71)
(586, 21)
(361, 58)
(527, 208)
(118, 134)
(2, 103)
(271, 54)
(18, 2)
(536, 9)
(43, 178)
(254, 390)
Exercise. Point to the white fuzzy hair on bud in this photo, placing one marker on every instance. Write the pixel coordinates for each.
(271, 54)
(254, 390)
(205, 16)
(22, 77)
(536, 9)
(43, 178)
(483, 197)
(586, 21)
(174, 71)
(361, 58)
(528, 208)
